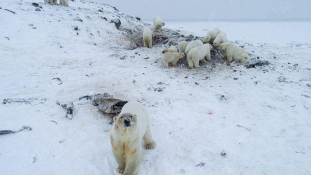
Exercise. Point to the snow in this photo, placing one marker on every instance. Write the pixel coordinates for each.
(259, 117)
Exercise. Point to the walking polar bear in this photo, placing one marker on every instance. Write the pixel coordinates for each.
(234, 52)
(211, 35)
(192, 45)
(197, 54)
(220, 38)
(171, 49)
(129, 127)
(147, 37)
(172, 57)
(61, 2)
(182, 46)
(158, 23)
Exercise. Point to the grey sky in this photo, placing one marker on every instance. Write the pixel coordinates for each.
(214, 9)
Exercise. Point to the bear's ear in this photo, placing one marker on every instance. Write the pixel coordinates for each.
(115, 118)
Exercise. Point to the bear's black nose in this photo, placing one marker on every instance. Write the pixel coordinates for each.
(127, 122)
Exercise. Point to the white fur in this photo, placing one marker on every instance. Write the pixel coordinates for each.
(193, 44)
(211, 35)
(158, 23)
(147, 37)
(126, 141)
(182, 46)
(171, 57)
(171, 49)
(220, 38)
(197, 54)
(61, 2)
(234, 52)
(50, 1)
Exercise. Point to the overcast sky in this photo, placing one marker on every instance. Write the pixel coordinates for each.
(214, 9)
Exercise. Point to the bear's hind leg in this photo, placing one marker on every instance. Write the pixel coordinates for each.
(190, 63)
(196, 63)
(149, 143)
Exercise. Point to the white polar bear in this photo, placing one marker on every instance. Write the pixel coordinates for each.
(182, 46)
(171, 49)
(197, 54)
(147, 37)
(61, 2)
(158, 23)
(220, 38)
(50, 1)
(129, 127)
(234, 52)
(193, 44)
(171, 57)
(211, 35)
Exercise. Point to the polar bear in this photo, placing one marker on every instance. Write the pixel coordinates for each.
(220, 38)
(182, 46)
(171, 49)
(172, 57)
(197, 54)
(193, 44)
(234, 52)
(211, 35)
(129, 127)
(158, 23)
(61, 2)
(50, 1)
(147, 37)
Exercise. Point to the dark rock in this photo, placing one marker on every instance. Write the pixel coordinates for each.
(138, 18)
(196, 83)
(37, 9)
(35, 4)
(103, 18)
(10, 11)
(116, 22)
(78, 19)
(76, 28)
(259, 63)
(100, 10)
(235, 78)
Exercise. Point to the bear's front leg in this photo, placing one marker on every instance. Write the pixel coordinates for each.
(149, 143)
(229, 59)
(165, 63)
(133, 158)
(119, 154)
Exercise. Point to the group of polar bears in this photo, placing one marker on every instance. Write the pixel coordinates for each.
(197, 50)
(61, 2)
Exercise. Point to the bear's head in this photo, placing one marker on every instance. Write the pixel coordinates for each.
(181, 55)
(221, 46)
(125, 123)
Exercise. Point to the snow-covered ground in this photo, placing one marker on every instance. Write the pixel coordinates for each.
(259, 117)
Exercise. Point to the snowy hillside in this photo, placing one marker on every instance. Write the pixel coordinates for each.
(258, 118)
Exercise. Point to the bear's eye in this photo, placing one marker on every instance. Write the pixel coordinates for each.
(121, 117)
(130, 116)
